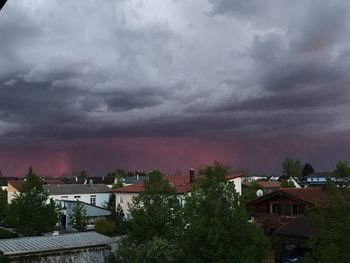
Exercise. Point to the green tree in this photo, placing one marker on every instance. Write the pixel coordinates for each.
(119, 174)
(155, 213)
(79, 217)
(217, 227)
(333, 219)
(250, 193)
(3, 204)
(291, 168)
(30, 212)
(307, 169)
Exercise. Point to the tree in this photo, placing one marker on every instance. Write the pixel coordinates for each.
(307, 169)
(217, 227)
(3, 204)
(119, 174)
(333, 220)
(155, 213)
(291, 168)
(250, 193)
(79, 217)
(30, 212)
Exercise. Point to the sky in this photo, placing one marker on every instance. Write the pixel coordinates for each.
(173, 84)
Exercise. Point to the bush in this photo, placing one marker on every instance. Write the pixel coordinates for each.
(6, 234)
(105, 227)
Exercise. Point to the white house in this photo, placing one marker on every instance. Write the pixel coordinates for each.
(94, 194)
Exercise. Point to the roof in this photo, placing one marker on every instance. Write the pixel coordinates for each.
(312, 195)
(66, 189)
(319, 175)
(103, 211)
(299, 226)
(52, 181)
(27, 245)
(264, 184)
(181, 183)
(133, 179)
(17, 184)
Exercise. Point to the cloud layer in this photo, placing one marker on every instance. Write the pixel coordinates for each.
(93, 69)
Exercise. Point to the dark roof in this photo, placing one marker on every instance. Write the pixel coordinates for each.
(181, 183)
(312, 195)
(3, 180)
(66, 189)
(320, 175)
(264, 184)
(133, 179)
(299, 226)
(17, 184)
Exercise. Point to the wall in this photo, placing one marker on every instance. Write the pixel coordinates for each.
(101, 198)
(127, 199)
(97, 254)
(11, 191)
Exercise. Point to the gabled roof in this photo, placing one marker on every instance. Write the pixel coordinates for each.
(181, 183)
(299, 226)
(67, 189)
(17, 184)
(312, 195)
(102, 211)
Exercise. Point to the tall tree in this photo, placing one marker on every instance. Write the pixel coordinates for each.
(30, 212)
(155, 213)
(307, 169)
(3, 203)
(333, 219)
(291, 168)
(217, 227)
(79, 217)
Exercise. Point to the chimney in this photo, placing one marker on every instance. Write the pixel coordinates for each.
(91, 183)
(191, 175)
(137, 177)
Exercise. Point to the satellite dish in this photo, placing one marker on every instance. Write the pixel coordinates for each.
(259, 193)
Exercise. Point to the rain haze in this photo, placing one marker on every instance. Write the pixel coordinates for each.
(173, 84)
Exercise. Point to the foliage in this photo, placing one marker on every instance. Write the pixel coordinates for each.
(155, 211)
(6, 234)
(32, 181)
(217, 228)
(250, 193)
(291, 168)
(83, 175)
(3, 204)
(120, 175)
(333, 220)
(307, 169)
(29, 212)
(105, 227)
(287, 184)
(210, 227)
(79, 217)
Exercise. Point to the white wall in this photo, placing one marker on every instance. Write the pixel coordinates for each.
(126, 200)
(101, 198)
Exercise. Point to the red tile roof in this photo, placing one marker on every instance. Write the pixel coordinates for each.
(181, 183)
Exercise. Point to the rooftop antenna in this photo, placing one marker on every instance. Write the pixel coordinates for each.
(259, 193)
(2, 3)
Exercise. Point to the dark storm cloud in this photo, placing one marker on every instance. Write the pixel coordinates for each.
(151, 69)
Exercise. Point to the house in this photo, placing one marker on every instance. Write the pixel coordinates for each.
(92, 212)
(181, 183)
(275, 209)
(317, 179)
(95, 194)
(78, 247)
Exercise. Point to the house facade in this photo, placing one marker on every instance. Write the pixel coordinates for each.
(273, 210)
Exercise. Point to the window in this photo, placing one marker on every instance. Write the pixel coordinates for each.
(64, 197)
(276, 209)
(77, 196)
(295, 210)
(121, 199)
(93, 199)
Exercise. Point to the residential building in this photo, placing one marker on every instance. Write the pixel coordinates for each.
(92, 212)
(317, 179)
(275, 209)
